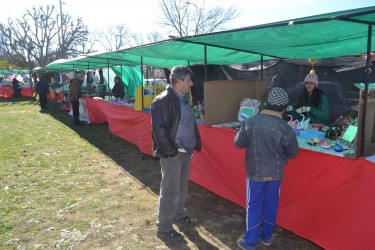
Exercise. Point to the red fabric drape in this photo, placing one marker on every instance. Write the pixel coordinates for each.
(7, 91)
(128, 124)
(329, 200)
(324, 198)
(29, 92)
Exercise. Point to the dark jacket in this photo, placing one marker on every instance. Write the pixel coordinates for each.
(269, 142)
(165, 117)
(42, 87)
(15, 83)
(118, 90)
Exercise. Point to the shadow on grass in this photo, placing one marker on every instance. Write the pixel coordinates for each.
(20, 101)
(222, 221)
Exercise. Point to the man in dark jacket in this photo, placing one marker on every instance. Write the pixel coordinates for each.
(42, 87)
(16, 87)
(269, 142)
(175, 135)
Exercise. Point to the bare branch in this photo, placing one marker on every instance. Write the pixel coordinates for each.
(186, 17)
(38, 38)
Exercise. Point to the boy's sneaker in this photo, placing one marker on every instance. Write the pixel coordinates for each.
(243, 245)
(170, 235)
(266, 242)
(191, 222)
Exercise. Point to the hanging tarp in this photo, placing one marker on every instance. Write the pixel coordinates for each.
(13, 72)
(335, 34)
(131, 78)
(323, 36)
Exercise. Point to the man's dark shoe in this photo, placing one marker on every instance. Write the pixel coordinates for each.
(191, 222)
(169, 236)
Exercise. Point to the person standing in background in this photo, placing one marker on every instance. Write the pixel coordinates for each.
(269, 142)
(16, 87)
(75, 94)
(42, 87)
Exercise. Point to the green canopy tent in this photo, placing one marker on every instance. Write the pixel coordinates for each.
(330, 35)
(335, 34)
(323, 36)
(13, 72)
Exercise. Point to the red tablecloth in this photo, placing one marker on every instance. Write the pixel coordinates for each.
(324, 198)
(27, 92)
(6, 91)
(124, 122)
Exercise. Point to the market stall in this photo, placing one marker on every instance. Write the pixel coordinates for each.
(6, 91)
(323, 195)
(320, 190)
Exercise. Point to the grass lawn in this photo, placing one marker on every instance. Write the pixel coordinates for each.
(77, 187)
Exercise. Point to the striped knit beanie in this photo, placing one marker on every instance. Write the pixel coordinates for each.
(277, 99)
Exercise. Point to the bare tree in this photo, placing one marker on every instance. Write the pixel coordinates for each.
(187, 18)
(38, 39)
(115, 38)
(137, 39)
(154, 37)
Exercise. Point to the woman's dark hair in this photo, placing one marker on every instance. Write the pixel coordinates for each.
(118, 78)
(315, 97)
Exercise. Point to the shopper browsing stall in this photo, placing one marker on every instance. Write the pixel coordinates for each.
(42, 87)
(89, 84)
(16, 87)
(75, 94)
(269, 142)
(175, 135)
(312, 102)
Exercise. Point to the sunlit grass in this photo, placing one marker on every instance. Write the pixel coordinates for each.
(55, 184)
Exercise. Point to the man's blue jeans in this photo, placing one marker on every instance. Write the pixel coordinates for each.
(262, 203)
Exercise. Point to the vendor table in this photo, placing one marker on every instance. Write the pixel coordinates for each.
(325, 198)
(6, 91)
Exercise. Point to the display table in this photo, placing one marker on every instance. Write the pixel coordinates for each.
(27, 90)
(6, 91)
(124, 122)
(324, 198)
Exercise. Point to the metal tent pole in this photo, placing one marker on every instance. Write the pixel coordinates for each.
(205, 63)
(261, 67)
(363, 137)
(109, 90)
(121, 77)
(142, 79)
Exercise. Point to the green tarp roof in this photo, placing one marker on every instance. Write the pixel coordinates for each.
(323, 36)
(13, 71)
(329, 35)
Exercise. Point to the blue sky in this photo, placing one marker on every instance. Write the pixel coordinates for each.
(142, 15)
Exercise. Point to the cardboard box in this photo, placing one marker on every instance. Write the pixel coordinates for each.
(222, 98)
